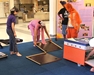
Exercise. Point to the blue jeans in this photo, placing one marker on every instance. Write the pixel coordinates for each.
(12, 41)
(64, 27)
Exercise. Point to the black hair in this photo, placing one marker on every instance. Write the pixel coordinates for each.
(39, 22)
(13, 10)
(62, 2)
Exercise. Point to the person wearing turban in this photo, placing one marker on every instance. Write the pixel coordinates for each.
(74, 21)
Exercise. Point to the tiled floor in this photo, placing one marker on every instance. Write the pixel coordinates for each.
(21, 30)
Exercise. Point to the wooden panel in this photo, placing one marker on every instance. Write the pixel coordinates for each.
(42, 58)
(50, 46)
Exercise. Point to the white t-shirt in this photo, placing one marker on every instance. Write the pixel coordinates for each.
(69, 23)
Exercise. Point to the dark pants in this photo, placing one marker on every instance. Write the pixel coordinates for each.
(12, 41)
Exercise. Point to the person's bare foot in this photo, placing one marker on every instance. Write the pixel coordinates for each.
(18, 54)
(92, 69)
(34, 45)
(43, 42)
(12, 52)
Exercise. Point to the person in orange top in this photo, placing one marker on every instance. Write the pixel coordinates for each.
(74, 22)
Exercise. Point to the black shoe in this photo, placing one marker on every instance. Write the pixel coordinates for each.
(1, 46)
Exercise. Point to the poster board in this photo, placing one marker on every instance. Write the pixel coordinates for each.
(86, 14)
(87, 22)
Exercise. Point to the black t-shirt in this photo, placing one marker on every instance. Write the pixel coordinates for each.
(64, 13)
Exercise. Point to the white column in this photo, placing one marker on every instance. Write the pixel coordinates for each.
(11, 4)
(53, 14)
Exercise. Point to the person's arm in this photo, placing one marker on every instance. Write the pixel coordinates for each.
(35, 34)
(59, 15)
(47, 32)
(13, 29)
(35, 37)
(13, 25)
(90, 54)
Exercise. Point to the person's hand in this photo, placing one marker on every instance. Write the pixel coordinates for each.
(15, 35)
(61, 18)
(50, 40)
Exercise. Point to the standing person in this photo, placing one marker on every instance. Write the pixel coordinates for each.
(37, 26)
(74, 22)
(63, 15)
(11, 32)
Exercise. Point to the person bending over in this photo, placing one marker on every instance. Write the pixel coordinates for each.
(37, 26)
(74, 21)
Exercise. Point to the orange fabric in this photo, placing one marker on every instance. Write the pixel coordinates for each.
(71, 33)
(74, 16)
(59, 35)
